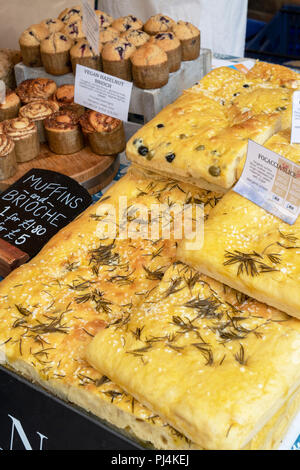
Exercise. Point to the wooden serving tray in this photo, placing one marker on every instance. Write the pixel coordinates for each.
(92, 171)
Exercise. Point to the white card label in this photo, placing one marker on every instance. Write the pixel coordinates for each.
(103, 93)
(90, 26)
(2, 92)
(272, 182)
(295, 136)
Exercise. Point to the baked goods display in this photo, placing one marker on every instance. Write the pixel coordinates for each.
(105, 134)
(37, 111)
(10, 108)
(36, 89)
(203, 136)
(25, 136)
(8, 164)
(63, 132)
(181, 42)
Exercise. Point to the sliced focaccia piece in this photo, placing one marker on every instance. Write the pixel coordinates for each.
(52, 307)
(224, 376)
(274, 75)
(192, 140)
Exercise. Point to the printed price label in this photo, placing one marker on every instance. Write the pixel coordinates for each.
(295, 135)
(90, 26)
(272, 182)
(103, 93)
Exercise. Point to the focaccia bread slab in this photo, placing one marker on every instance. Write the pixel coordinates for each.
(225, 376)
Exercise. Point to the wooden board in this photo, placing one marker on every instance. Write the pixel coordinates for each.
(92, 171)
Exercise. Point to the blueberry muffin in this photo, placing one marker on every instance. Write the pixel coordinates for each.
(73, 30)
(37, 112)
(36, 89)
(30, 41)
(105, 20)
(54, 25)
(150, 68)
(189, 36)
(55, 52)
(171, 45)
(137, 37)
(63, 133)
(116, 58)
(10, 108)
(107, 35)
(127, 23)
(105, 134)
(158, 24)
(82, 53)
(71, 14)
(24, 133)
(8, 164)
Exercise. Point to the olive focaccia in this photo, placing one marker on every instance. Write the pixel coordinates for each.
(250, 249)
(204, 134)
(226, 375)
(51, 308)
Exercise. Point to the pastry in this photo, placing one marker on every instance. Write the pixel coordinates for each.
(55, 53)
(189, 37)
(36, 89)
(150, 67)
(24, 134)
(250, 249)
(64, 97)
(73, 30)
(105, 134)
(8, 59)
(274, 75)
(116, 58)
(127, 23)
(54, 25)
(136, 37)
(82, 53)
(30, 41)
(171, 45)
(89, 279)
(224, 376)
(105, 20)
(8, 164)
(37, 112)
(10, 108)
(158, 24)
(70, 14)
(63, 132)
(107, 35)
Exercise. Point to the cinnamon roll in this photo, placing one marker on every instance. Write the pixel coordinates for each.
(63, 132)
(8, 164)
(25, 136)
(82, 53)
(105, 134)
(10, 108)
(64, 97)
(36, 89)
(38, 111)
(55, 53)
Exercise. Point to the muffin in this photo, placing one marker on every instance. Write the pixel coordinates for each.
(158, 24)
(36, 89)
(150, 68)
(54, 25)
(126, 23)
(73, 30)
(189, 36)
(38, 111)
(105, 134)
(55, 53)
(105, 20)
(30, 41)
(171, 45)
(8, 163)
(71, 14)
(25, 136)
(116, 58)
(136, 37)
(82, 53)
(107, 35)
(10, 108)
(63, 133)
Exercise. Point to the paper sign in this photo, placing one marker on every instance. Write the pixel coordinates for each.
(295, 136)
(90, 26)
(37, 206)
(101, 92)
(272, 182)
(2, 92)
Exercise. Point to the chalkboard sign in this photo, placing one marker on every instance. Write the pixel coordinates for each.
(32, 210)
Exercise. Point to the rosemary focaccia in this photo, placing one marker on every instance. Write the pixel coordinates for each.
(226, 376)
(51, 307)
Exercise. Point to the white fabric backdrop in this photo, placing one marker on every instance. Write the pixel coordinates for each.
(222, 22)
